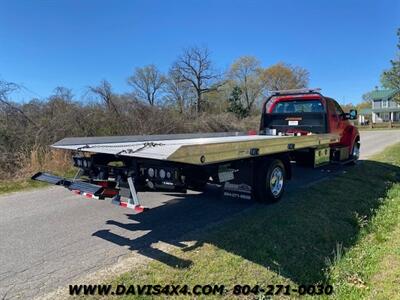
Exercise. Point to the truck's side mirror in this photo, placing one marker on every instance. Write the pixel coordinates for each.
(352, 115)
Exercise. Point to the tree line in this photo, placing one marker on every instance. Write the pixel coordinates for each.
(192, 96)
(193, 84)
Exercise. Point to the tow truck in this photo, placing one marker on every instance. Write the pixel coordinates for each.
(297, 126)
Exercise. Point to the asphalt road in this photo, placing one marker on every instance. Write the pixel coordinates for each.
(49, 237)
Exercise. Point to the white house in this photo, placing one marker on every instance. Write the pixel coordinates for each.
(384, 107)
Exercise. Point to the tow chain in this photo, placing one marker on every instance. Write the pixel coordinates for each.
(145, 145)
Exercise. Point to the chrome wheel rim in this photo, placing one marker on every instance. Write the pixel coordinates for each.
(276, 181)
(356, 151)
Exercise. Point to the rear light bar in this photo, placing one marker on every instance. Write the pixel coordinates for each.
(295, 91)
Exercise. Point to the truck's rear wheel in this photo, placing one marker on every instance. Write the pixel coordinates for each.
(271, 181)
(355, 152)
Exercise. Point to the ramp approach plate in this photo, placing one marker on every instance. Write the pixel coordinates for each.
(196, 149)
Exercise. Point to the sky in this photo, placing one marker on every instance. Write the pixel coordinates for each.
(344, 44)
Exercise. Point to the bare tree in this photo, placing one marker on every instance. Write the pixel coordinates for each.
(62, 93)
(5, 89)
(178, 91)
(104, 91)
(195, 67)
(282, 76)
(301, 75)
(147, 82)
(245, 73)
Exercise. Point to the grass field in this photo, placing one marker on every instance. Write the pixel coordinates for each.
(345, 232)
(377, 129)
(19, 185)
(380, 126)
(22, 184)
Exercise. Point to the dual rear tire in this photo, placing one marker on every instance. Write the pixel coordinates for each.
(270, 176)
(270, 180)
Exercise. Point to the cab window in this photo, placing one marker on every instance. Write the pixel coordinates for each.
(298, 106)
(338, 109)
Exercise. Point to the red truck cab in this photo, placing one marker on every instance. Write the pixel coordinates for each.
(302, 112)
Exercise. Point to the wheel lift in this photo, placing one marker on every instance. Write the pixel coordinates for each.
(94, 191)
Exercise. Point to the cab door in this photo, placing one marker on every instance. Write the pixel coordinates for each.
(333, 118)
(337, 121)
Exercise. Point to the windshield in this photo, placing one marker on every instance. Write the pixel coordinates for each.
(298, 106)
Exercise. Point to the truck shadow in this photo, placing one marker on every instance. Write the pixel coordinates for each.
(173, 219)
(294, 237)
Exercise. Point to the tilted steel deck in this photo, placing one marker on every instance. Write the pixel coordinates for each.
(198, 149)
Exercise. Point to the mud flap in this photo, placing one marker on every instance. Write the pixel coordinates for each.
(238, 190)
(242, 184)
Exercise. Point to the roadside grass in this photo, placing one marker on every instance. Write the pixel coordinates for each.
(371, 268)
(367, 128)
(19, 185)
(39, 158)
(344, 231)
(379, 129)
(22, 184)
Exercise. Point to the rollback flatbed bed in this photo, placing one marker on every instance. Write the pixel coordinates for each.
(295, 126)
